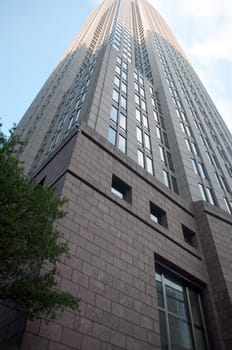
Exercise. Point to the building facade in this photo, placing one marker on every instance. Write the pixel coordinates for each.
(128, 134)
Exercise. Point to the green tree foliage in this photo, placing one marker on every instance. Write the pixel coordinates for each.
(28, 240)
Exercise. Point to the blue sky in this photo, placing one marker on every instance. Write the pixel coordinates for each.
(35, 35)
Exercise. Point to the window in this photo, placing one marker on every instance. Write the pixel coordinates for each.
(158, 133)
(202, 191)
(140, 158)
(162, 155)
(194, 165)
(139, 135)
(145, 121)
(122, 143)
(138, 115)
(112, 136)
(228, 206)
(149, 165)
(116, 81)
(147, 141)
(122, 121)
(158, 215)
(201, 170)
(182, 323)
(210, 196)
(115, 96)
(123, 102)
(137, 99)
(121, 189)
(124, 88)
(189, 236)
(114, 114)
(187, 144)
(166, 178)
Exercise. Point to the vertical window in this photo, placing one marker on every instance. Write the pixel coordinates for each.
(149, 165)
(115, 96)
(194, 165)
(147, 142)
(137, 99)
(122, 143)
(162, 155)
(122, 121)
(140, 158)
(158, 133)
(166, 178)
(201, 170)
(145, 121)
(139, 135)
(202, 191)
(114, 114)
(112, 136)
(116, 81)
(187, 144)
(138, 115)
(227, 206)
(124, 88)
(210, 196)
(182, 323)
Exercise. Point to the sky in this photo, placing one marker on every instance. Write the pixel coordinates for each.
(35, 34)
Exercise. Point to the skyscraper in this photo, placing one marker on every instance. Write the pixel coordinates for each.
(126, 131)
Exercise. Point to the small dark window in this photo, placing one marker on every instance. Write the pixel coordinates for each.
(189, 236)
(158, 215)
(121, 189)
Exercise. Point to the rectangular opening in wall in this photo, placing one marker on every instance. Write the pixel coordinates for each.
(158, 215)
(181, 313)
(121, 189)
(189, 236)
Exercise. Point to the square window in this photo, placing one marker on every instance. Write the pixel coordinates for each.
(158, 215)
(121, 189)
(189, 236)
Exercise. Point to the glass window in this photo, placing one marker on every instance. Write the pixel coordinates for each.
(137, 99)
(143, 105)
(122, 121)
(145, 121)
(123, 102)
(228, 206)
(194, 148)
(115, 96)
(210, 196)
(162, 155)
(139, 135)
(118, 70)
(166, 178)
(116, 81)
(136, 86)
(187, 144)
(194, 165)
(121, 189)
(122, 143)
(158, 132)
(201, 170)
(155, 116)
(202, 191)
(112, 136)
(124, 75)
(138, 115)
(182, 325)
(140, 158)
(188, 131)
(149, 165)
(147, 141)
(158, 215)
(114, 114)
(182, 127)
(124, 88)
